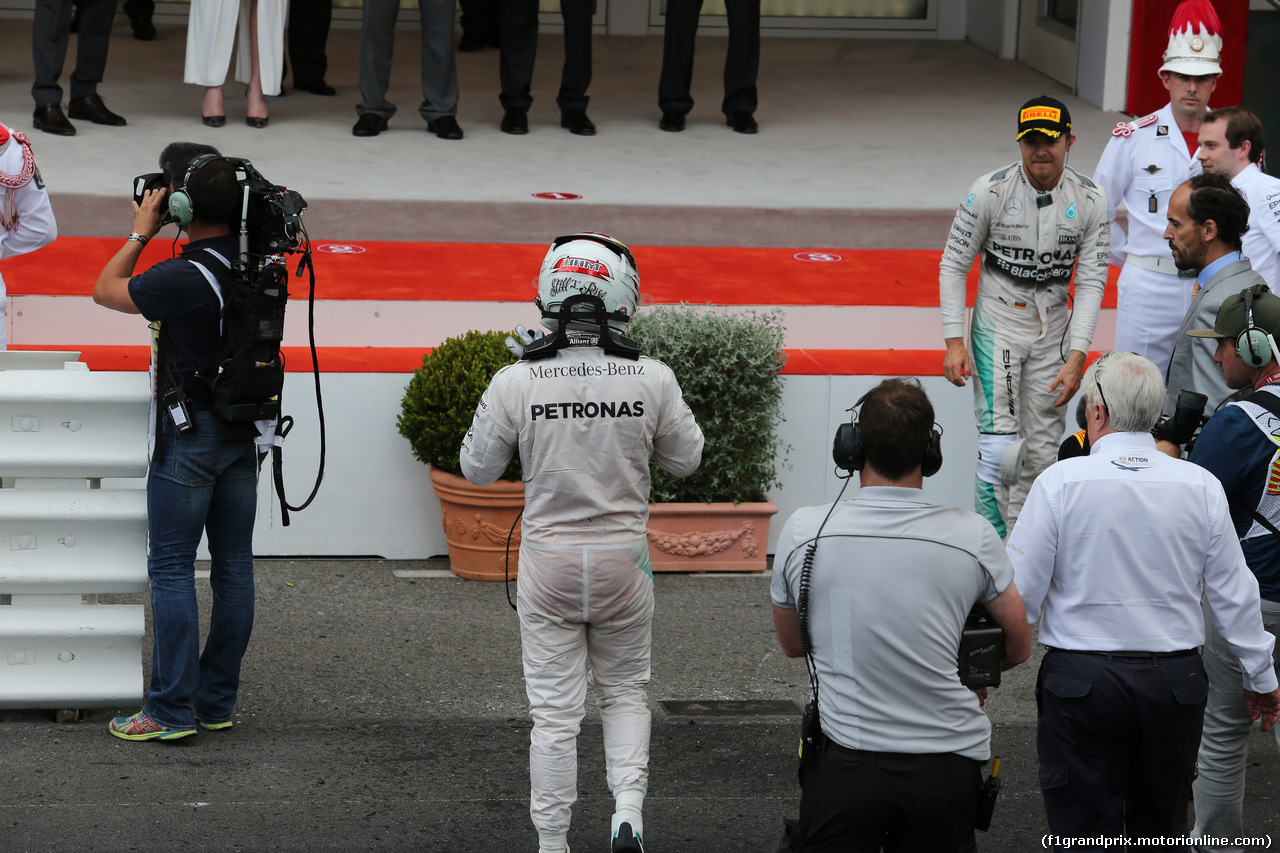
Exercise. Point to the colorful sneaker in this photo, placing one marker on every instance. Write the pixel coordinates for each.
(142, 727)
(211, 726)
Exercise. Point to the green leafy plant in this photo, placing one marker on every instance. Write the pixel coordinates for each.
(728, 366)
(442, 396)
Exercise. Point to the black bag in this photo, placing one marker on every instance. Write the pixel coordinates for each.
(249, 374)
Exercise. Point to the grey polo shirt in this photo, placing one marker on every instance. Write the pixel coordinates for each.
(893, 580)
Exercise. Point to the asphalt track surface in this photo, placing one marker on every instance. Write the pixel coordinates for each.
(387, 713)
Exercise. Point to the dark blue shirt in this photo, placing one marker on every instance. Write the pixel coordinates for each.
(176, 292)
(1234, 450)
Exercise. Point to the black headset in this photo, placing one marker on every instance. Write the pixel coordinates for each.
(181, 206)
(849, 454)
(1256, 346)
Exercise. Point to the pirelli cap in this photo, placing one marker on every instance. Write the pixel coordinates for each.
(1195, 40)
(1044, 115)
(1231, 319)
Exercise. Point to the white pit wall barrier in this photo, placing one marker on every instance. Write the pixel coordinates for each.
(63, 539)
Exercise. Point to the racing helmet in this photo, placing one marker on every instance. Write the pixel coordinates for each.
(594, 265)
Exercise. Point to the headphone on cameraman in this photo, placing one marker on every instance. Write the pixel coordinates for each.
(181, 206)
(849, 454)
(1256, 346)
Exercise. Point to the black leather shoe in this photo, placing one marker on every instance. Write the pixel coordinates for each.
(258, 122)
(742, 122)
(515, 120)
(445, 127)
(672, 120)
(143, 29)
(321, 88)
(214, 121)
(577, 122)
(92, 108)
(369, 124)
(51, 119)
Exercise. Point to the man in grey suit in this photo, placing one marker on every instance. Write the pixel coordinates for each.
(50, 35)
(1207, 218)
(439, 70)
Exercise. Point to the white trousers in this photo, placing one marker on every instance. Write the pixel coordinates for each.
(212, 31)
(561, 653)
(1224, 741)
(1149, 311)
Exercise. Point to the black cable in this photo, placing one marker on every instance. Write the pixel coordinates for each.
(283, 429)
(802, 593)
(506, 565)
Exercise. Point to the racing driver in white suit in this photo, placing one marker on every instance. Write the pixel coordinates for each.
(1034, 223)
(587, 413)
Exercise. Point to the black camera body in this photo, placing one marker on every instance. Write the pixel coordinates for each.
(154, 181)
(1188, 416)
(981, 650)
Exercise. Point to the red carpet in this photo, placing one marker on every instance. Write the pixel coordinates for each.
(498, 272)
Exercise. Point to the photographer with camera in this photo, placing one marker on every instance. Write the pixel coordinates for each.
(587, 413)
(882, 585)
(1207, 219)
(204, 470)
(1113, 550)
(1238, 446)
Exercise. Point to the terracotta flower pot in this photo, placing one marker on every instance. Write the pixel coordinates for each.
(477, 521)
(717, 537)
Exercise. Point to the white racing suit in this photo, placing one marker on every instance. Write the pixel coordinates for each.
(586, 425)
(1144, 162)
(1030, 243)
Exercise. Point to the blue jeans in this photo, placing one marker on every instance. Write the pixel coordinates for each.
(199, 482)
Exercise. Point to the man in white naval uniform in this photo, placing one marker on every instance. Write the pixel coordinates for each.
(1231, 142)
(26, 219)
(1036, 223)
(587, 412)
(1145, 160)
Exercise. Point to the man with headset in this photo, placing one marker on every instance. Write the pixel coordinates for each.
(886, 581)
(1239, 446)
(1114, 551)
(204, 471)
(1038, 226)
(587, 413)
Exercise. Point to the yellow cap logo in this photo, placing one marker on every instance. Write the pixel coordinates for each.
(1040, 114)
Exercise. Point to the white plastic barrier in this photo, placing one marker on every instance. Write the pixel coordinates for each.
(63, 539)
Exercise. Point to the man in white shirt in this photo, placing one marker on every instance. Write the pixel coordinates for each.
(1144, 162)
(1111, 555)
(1231, 142)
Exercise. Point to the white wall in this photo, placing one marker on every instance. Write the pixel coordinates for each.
(376, 498)
(993, 26)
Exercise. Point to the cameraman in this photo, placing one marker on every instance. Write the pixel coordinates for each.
(892, 580)
(204, 472)
(1238, 447)
(1207, 219)
(1114, 550)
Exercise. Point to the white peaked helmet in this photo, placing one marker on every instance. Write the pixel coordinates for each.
(594, 265)
(1195, 40)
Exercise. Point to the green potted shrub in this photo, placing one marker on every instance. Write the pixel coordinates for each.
(435, 415)
(729, 368)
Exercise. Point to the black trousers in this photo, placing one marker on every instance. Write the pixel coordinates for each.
(481, 19)
(1117, 740)
(308, 34)
(740, 65)
(50, 34)
(862, 802)
(520, 46)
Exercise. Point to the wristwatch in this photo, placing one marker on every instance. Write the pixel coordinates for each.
(135, 237)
